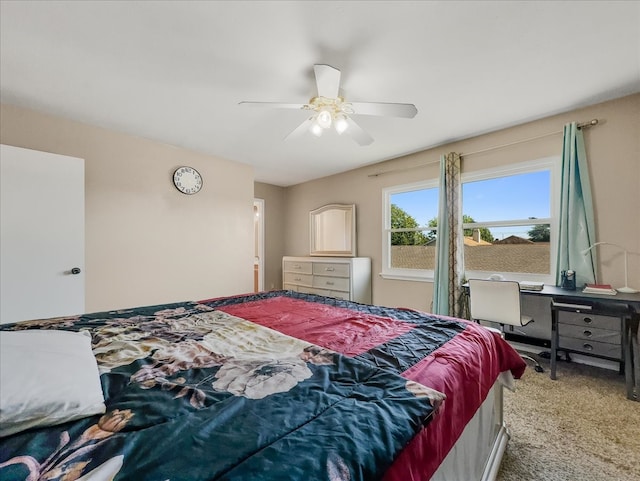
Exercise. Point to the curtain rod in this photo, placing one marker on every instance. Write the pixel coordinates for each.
(584, 125)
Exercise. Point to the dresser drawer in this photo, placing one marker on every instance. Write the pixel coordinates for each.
(326, 293)
(589, 333)
(332, 283)
(589, 320)
(591, 347)
(328, 269)
(296, 266)
(296, 278)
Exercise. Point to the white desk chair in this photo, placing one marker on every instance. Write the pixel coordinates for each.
(499, 302)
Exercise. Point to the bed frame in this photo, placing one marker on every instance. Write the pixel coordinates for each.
(478, 453)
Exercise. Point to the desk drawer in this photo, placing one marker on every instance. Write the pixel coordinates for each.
(329, 269)
(594, 348)
(589, 333)
(332, 283)
(589, 320)
(296, 266)
(295, 278)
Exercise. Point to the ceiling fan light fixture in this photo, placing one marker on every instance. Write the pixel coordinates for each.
(328, 109)
(324, 119)
(341, 123)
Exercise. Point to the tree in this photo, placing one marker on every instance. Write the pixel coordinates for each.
(400, 219)
(485, 234)
(540, 233)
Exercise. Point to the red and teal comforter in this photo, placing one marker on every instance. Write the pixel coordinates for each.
(271, 386)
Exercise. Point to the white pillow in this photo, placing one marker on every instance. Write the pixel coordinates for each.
(47, 377)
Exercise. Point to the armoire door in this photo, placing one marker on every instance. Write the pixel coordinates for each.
(42, 234)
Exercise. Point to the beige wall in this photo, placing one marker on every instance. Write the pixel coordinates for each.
(274, 235)
(146, 243)
(613, 151)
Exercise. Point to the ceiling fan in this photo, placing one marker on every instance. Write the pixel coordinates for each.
(329, 109)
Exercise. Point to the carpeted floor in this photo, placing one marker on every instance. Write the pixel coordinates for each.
(580, 427)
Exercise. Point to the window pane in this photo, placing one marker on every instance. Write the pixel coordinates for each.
(508, 248)
(532, 259)
(419, 205)
(413, 209)
(413, 256)
(514, 249)
(521, 196)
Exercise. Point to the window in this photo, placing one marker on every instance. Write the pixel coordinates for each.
(409, 249)
(510, 217)
(510, 221)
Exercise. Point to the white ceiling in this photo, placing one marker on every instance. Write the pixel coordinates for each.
(174, 71)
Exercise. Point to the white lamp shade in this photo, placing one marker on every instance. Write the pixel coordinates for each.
(341, 123)
(324, 119)
(316, 129)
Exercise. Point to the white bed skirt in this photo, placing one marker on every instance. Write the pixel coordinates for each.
(478, 452)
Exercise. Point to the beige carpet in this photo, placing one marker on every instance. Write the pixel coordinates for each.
(580, 427)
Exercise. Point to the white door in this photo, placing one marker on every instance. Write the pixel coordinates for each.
(41, 234)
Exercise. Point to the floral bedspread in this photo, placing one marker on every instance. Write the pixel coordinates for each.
(194, 393)
(458, 358)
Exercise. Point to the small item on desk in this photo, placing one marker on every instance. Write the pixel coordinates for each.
(568, 280)
(605, 289)
(531, 286)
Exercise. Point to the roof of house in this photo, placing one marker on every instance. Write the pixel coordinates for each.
(513, 239)
(469, 241)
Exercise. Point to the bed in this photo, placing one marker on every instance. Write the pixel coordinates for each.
(276, 385)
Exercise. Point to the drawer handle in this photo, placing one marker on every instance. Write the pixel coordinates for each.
(587, 333)
(297, 266)
(587, 346)
(329, 269)
(329, 283)
(587, 320)
(297, 279)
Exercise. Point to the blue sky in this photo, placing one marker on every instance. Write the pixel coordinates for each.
(503, 198)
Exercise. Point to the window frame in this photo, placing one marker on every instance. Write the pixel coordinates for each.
(551, 163)
(388, 272)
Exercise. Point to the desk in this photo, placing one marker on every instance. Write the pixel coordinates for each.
(626, 307)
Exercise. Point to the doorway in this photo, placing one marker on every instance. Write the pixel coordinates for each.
(258, 241)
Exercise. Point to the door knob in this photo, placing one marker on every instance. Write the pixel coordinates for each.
(75, 270)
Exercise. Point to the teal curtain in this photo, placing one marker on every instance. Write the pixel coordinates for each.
(577, 226)
(449, 270)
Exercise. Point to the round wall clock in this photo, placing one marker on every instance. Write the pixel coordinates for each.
(187, 180)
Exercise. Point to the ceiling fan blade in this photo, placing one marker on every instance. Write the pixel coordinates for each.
(300, 129)
(327, 80)
(272, 105)
(384, 109)
(357, 133)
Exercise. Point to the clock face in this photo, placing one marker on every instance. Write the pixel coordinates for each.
(187, 180)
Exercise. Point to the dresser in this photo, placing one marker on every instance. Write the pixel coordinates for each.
(346, 278)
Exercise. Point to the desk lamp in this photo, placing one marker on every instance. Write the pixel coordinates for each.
(626, 289)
